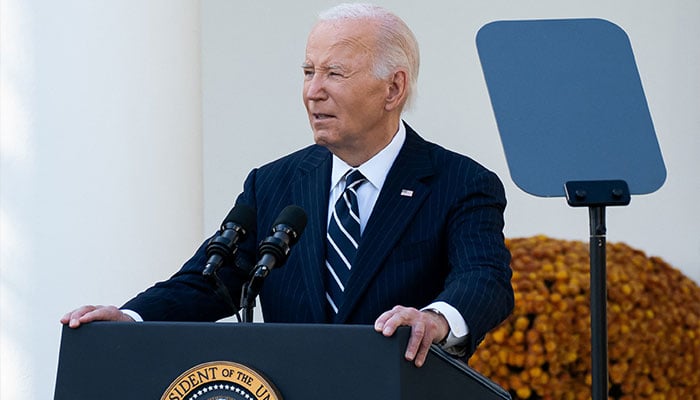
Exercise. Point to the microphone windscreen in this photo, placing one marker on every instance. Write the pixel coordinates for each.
(294, 217)
(242, 215)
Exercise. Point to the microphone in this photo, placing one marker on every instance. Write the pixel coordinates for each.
(274, 251)
(286, 231)
(234, 229)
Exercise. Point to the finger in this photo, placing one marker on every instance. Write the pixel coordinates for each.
(102, 313)
(397, 316)
(87, 314)
(381, 320)
(423, 350)
(65, 318)
(73, 318)
(93, 315)
(418, 331)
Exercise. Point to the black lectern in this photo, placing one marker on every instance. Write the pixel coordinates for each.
(145, 360)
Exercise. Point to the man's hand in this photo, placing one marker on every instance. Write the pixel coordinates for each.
(87, 314)
(427, 327)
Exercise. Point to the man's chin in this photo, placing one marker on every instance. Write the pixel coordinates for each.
(323, 138)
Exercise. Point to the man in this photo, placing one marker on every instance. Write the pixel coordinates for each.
(429, 250)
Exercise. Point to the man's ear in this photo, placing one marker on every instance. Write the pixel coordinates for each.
(398, 90)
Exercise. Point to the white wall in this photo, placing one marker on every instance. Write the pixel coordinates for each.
(100, 185)
(253, 112)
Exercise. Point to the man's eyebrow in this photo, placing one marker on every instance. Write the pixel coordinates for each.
(307, 65)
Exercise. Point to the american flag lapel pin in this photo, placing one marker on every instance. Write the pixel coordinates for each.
(406, 193)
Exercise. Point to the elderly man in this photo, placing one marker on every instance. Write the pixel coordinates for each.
(401, 232)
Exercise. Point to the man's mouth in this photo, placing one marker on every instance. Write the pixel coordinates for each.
(319, 116)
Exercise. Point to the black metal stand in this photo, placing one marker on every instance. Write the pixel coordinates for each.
(251, 290)
(596, 195)
(599, 296)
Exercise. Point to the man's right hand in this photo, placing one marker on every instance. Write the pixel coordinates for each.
(87, 314)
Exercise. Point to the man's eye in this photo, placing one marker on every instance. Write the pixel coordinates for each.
(308, 73)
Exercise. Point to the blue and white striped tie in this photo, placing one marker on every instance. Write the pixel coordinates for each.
(342, 240)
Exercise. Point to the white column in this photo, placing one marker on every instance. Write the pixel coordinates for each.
(101, 166)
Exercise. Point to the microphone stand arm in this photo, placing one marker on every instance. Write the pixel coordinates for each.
(250, 291)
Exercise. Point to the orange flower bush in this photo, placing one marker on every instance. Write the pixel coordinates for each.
(543, 351)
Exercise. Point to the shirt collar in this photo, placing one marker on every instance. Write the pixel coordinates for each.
(376, 168)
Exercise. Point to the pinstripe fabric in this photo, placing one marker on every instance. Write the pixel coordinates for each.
(444, 242)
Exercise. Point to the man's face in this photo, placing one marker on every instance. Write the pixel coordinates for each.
(345, 102)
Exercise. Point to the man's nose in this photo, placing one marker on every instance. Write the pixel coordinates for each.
(315, 89)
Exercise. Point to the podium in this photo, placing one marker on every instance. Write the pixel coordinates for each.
(111, 360)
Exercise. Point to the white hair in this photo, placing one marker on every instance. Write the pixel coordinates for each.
(397, 47)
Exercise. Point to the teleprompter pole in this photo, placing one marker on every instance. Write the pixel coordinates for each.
(596, 195)
(599, 320)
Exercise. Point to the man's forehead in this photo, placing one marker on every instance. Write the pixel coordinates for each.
(344, 26)
(331, 42)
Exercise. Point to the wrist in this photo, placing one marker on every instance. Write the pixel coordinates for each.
(442, 324)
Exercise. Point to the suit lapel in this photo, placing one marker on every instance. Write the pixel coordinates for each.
(311, 193)
(401, 197)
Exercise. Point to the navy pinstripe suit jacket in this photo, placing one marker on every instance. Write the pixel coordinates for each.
(443, 243)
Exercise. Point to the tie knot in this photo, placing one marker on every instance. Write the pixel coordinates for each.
(354, 179)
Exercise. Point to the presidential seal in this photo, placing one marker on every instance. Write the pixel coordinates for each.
(221, 380)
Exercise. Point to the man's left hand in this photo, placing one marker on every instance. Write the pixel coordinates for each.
(427, 327)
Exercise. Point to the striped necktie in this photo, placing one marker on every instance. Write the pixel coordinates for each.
(342, 240)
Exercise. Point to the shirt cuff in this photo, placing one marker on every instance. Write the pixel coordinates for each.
(133, 314)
